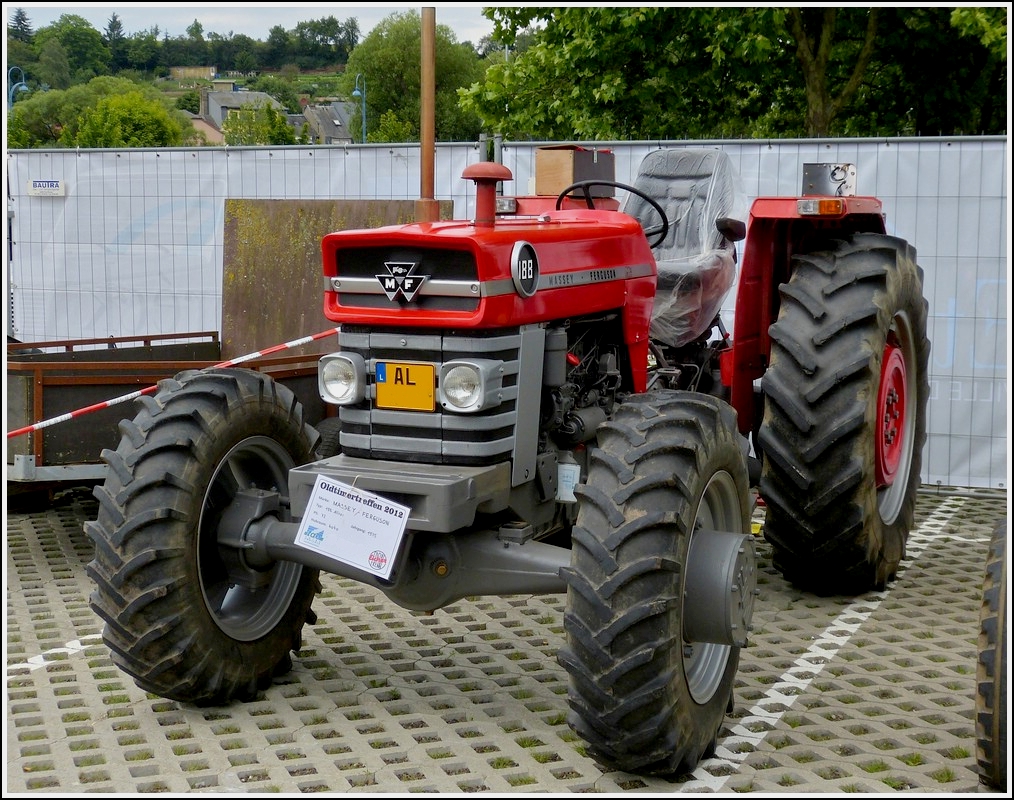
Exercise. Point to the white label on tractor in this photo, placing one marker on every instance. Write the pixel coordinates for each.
(355, 527)
(568, 477)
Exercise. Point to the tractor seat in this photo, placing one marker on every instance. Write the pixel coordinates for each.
(696, 262)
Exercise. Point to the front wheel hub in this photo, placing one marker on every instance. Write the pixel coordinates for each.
(720, 586)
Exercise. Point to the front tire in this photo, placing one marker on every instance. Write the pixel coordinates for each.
(845, 415)
(643, 695)
(184, 614)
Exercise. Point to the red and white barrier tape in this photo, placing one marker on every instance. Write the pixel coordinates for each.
(232, 362)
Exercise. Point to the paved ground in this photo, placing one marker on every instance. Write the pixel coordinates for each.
(868, 694)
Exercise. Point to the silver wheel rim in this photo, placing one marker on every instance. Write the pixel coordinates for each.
(242, 613)
(704, 663)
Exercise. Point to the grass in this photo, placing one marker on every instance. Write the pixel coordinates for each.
(545, 758)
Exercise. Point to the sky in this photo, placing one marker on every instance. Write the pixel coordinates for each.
(253, 19)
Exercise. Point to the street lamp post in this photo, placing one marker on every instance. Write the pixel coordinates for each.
(13, 87)
(362, 99)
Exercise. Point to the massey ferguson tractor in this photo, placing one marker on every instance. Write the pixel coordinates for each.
(544, 399)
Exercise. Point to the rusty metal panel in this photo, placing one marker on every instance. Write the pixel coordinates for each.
(19, 413)
(272, 278)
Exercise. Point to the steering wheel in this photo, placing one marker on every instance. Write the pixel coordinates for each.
(658, 231)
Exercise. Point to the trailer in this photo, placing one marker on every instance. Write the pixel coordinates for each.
(46, 380)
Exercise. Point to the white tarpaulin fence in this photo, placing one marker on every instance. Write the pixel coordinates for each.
(130, 242)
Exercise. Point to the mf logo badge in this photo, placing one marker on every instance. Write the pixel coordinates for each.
(400, 280)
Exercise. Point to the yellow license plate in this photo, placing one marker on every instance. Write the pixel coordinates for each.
(405, 386)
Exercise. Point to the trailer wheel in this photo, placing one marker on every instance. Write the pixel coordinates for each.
(845, 415)
(184, 614)
(646, 694)
(991, 669)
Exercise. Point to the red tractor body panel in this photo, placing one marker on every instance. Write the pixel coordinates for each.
(591, 260)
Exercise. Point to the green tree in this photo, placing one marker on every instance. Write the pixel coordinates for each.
(128, 120)
(257, 124)
(278, 47)
(393, 129)
(938, 76)
(116, 40)
(699, 72)
(143, 49)
(189, 101)
(51, 119)
(233, 52)
(20, 27)
(22, 54)
(389, 59)
(196, 48)
(988, 25)
(174, 51)
(245, 62)
(18, 137)
(53, 65)
(87, 56)
(281, 89)
(599, 73)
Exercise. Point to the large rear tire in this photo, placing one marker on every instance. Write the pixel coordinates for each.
(845, 415)
(642, 695)
(991, 671)
(184, 614)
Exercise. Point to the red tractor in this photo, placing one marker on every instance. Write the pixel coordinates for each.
(535, 402)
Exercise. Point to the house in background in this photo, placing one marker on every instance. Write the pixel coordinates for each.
(328, 123)
(221, 99)
(212, 135)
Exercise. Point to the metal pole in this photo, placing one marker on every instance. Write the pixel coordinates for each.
(427, 209)
(362, 99)
(13, 87)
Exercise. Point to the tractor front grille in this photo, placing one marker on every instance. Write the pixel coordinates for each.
(431, 437)
(450, 277)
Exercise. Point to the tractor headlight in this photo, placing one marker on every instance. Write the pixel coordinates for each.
(341, 378)
(470, 386)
